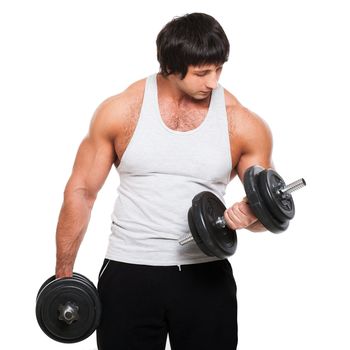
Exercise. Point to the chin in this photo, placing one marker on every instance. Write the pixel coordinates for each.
(201, 96)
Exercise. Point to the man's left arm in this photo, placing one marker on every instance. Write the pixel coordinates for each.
(256, 149)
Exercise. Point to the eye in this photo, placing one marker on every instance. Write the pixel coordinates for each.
(201, 74)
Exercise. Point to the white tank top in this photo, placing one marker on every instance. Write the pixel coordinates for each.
(160, 172)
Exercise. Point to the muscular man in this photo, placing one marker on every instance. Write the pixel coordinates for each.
(170, 136)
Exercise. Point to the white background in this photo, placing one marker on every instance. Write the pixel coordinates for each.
(289, 63)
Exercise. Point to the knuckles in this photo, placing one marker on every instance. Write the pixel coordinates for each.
(239, 215)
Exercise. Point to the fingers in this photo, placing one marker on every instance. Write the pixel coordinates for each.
(239, 216)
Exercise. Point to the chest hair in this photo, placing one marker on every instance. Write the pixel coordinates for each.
(182, 118)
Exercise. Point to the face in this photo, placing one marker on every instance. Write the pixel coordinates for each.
(199, 80)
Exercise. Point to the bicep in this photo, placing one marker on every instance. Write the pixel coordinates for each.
(256, 148)
(95, 157)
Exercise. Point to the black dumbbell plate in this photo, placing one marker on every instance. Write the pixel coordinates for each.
(281, 206)
(206, 209)
(58, 292)
(256, 201)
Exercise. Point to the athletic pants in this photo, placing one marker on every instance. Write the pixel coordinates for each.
(194, 304)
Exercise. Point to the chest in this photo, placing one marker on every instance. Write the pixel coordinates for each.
(181, 118)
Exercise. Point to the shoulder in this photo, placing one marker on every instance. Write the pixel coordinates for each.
(115, 112)
(245, 125)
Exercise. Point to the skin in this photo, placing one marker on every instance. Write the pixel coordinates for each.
(183, 104)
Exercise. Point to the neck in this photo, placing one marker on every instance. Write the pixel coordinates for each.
(168, 89)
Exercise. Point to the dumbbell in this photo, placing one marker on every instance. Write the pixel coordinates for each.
(68, 310)
(269, 198)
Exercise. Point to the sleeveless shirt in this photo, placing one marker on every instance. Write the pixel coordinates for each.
(160, 172)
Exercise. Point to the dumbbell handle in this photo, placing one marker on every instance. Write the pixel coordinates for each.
(296, 185)
(221, 222)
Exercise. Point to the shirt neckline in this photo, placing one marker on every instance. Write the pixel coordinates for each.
(178, 132)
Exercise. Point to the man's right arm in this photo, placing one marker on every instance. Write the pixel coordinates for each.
(93, 162)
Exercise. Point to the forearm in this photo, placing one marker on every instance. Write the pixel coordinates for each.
(72, 224)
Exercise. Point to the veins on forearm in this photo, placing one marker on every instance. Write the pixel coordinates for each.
(71, 227)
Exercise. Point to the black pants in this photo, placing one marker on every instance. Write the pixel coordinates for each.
(142, 304)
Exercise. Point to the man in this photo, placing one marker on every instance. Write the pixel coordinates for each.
(170, 136)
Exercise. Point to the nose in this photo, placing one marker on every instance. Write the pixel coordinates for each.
(212, 81)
